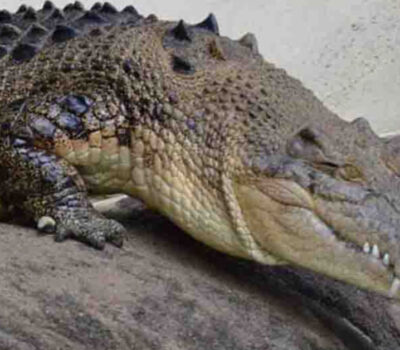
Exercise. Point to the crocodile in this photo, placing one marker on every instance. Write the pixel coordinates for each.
(201, 128)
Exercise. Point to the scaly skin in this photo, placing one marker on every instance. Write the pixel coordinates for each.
(201, 128)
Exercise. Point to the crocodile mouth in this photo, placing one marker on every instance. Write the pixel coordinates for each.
(282, 218)
(369, 250)
(375, 256)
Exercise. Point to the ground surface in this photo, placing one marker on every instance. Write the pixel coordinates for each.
(163, 290)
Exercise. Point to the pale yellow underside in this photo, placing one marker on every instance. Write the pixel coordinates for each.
(155, 171)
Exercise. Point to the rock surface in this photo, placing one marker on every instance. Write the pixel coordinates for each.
(165, 291)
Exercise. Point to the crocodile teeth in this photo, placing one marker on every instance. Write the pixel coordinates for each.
(386, 259)
(375, 251)
(367, 248)
(395, 287)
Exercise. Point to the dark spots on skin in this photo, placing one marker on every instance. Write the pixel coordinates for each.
(173, 97)
(124, 137)
(96, 32)
(68, 67)
(128, 66)
(137, 75)
(159, 113)
(191, 124)
(5, 126)
(253, 115)
(182, 65)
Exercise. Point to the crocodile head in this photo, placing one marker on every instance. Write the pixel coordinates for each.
(329, 201)
(304, 187)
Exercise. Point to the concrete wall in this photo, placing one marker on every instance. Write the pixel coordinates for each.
(347, 51)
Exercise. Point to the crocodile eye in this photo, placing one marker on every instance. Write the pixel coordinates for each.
(327, 167)
(349, 172)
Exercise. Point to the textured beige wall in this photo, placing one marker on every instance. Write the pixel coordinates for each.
(347, 51)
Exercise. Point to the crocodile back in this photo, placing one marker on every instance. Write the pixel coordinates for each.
(24, 33)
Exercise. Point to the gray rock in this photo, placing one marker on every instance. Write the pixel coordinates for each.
(164, 291)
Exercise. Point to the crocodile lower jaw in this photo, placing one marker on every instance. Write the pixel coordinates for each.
(298, 235)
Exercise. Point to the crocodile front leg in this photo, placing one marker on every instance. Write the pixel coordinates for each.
(50, 190)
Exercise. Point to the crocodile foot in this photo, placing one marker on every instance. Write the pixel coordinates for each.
(50, 191)
(83, 225)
